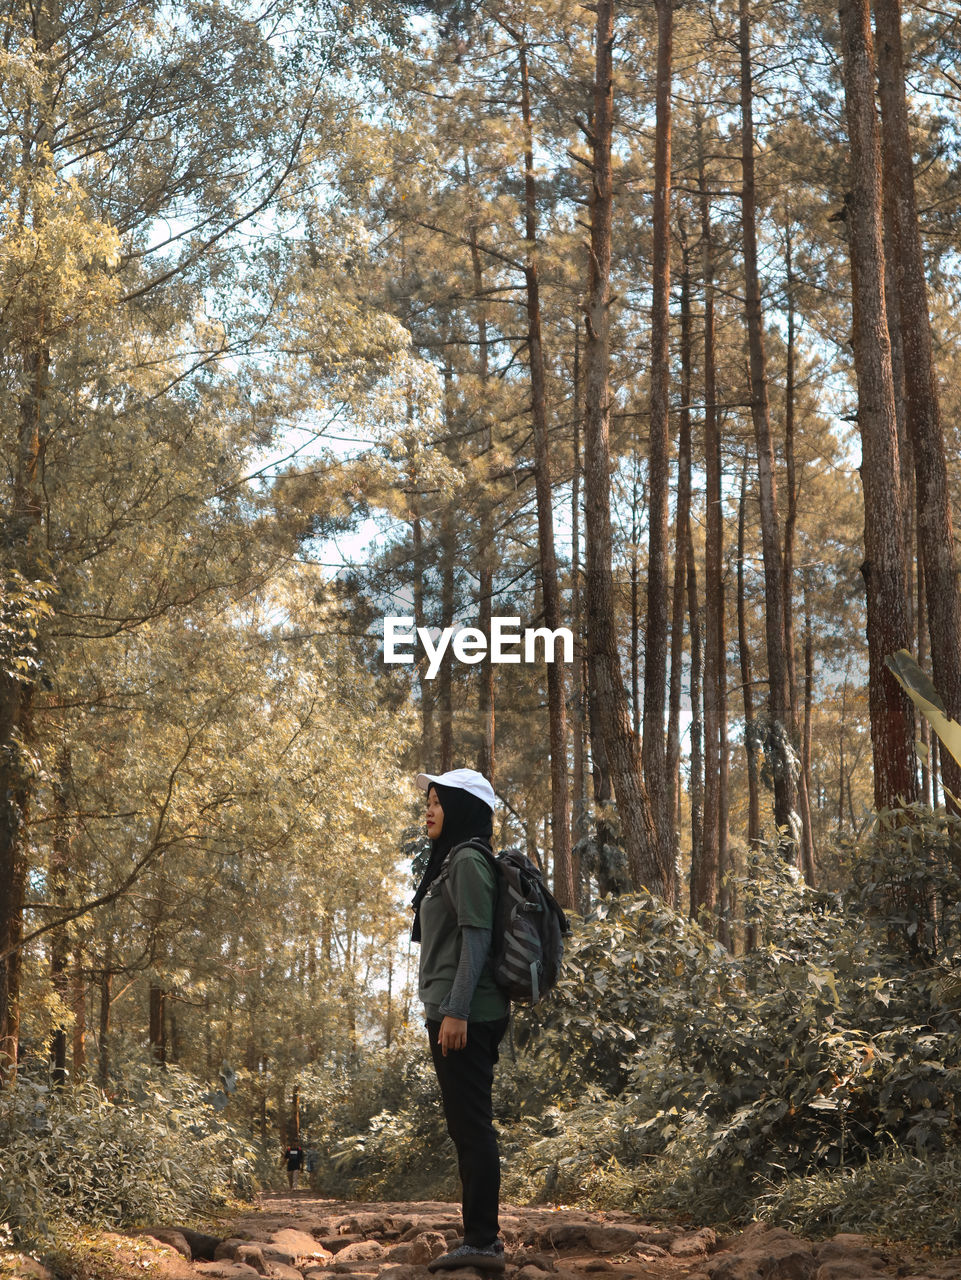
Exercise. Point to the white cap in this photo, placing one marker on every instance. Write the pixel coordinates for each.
(468, 780)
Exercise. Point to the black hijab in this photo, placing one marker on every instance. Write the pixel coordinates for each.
(466, 817)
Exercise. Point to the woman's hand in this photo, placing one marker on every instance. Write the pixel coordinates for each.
(452, 1034)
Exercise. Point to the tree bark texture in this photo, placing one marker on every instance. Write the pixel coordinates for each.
(158, 1023)
(638, 833)
(17, 773)
(714, 655)
(790, 544)
(550, 590)
(579, 690)
(445, 693)
(486, 761)
(883, 569)
(685, 595)
(60, 865)
(426, 699)
(923, 410)
(103, 1035)
(654, 752)
(682, 534)
(778, 735)
(697, 719)
(747, 682)
(808, 700)
(78, 993)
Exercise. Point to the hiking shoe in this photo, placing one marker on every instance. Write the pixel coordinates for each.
(489, 1257)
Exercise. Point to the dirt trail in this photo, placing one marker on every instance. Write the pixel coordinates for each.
(299, 1236)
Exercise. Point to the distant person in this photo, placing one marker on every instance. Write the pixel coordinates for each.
(293, 1160)
(466, 1013)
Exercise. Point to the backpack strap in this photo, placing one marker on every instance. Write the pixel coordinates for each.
(445, 869)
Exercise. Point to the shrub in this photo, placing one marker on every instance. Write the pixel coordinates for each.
(834, 1042)
(73, 1157)
(370, 1122)
(899, 1197)
(668, 1075)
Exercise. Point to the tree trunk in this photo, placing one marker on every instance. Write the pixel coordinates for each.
(60, 863)
(294, 1127)
(682, 534)
(842, 727)
(556, 692)
(751, 743)
(778, 731)
(790, 542)
(635, 608)
(420, 620)
(685, 593)
(103, 1038)
(16, 707)
(608, 881)
(724, 860)
(486, 761)
(79, 1005)
(905, 455)
(22, 536)
(714, 843)
(654, 752)
(697, 742)
(610, 711)
(445, 692)
(579, 691)
(808, 700)
(158, 1023)
(923, 409)
(928, 738)
(883, 569)
(790, 468)
(747, 678)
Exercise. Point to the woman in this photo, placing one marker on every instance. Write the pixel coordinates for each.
(465, 1011)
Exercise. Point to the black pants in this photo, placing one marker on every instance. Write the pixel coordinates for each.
(466, 1077)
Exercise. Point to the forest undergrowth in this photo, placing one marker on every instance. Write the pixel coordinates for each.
(811, 1081)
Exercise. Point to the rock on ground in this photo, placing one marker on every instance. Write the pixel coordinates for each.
(302, 1237)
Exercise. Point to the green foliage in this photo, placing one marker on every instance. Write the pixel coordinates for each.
(670, 1076)
(157, 1152)
(378, 1125)
(898, 1196)
(23, 607)
(822, 1047)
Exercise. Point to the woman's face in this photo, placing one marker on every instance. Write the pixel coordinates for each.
(435, 815)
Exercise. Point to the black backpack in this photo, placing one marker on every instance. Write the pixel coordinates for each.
(529, 927)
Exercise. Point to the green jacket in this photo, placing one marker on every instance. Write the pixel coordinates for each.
(473, 887)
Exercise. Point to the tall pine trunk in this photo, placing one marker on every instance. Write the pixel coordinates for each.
(579, 690)
(486, 760)
(59, 877)
(777, 737)
(22, 572)
(654, 753)
(609, 713)
(445, 678)
(682, 533)
(883, 569)
(556, 693)
(923, 411)
(747, 680)
(426, 699)
(714, 840)
(790, 545)
(697, 719)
